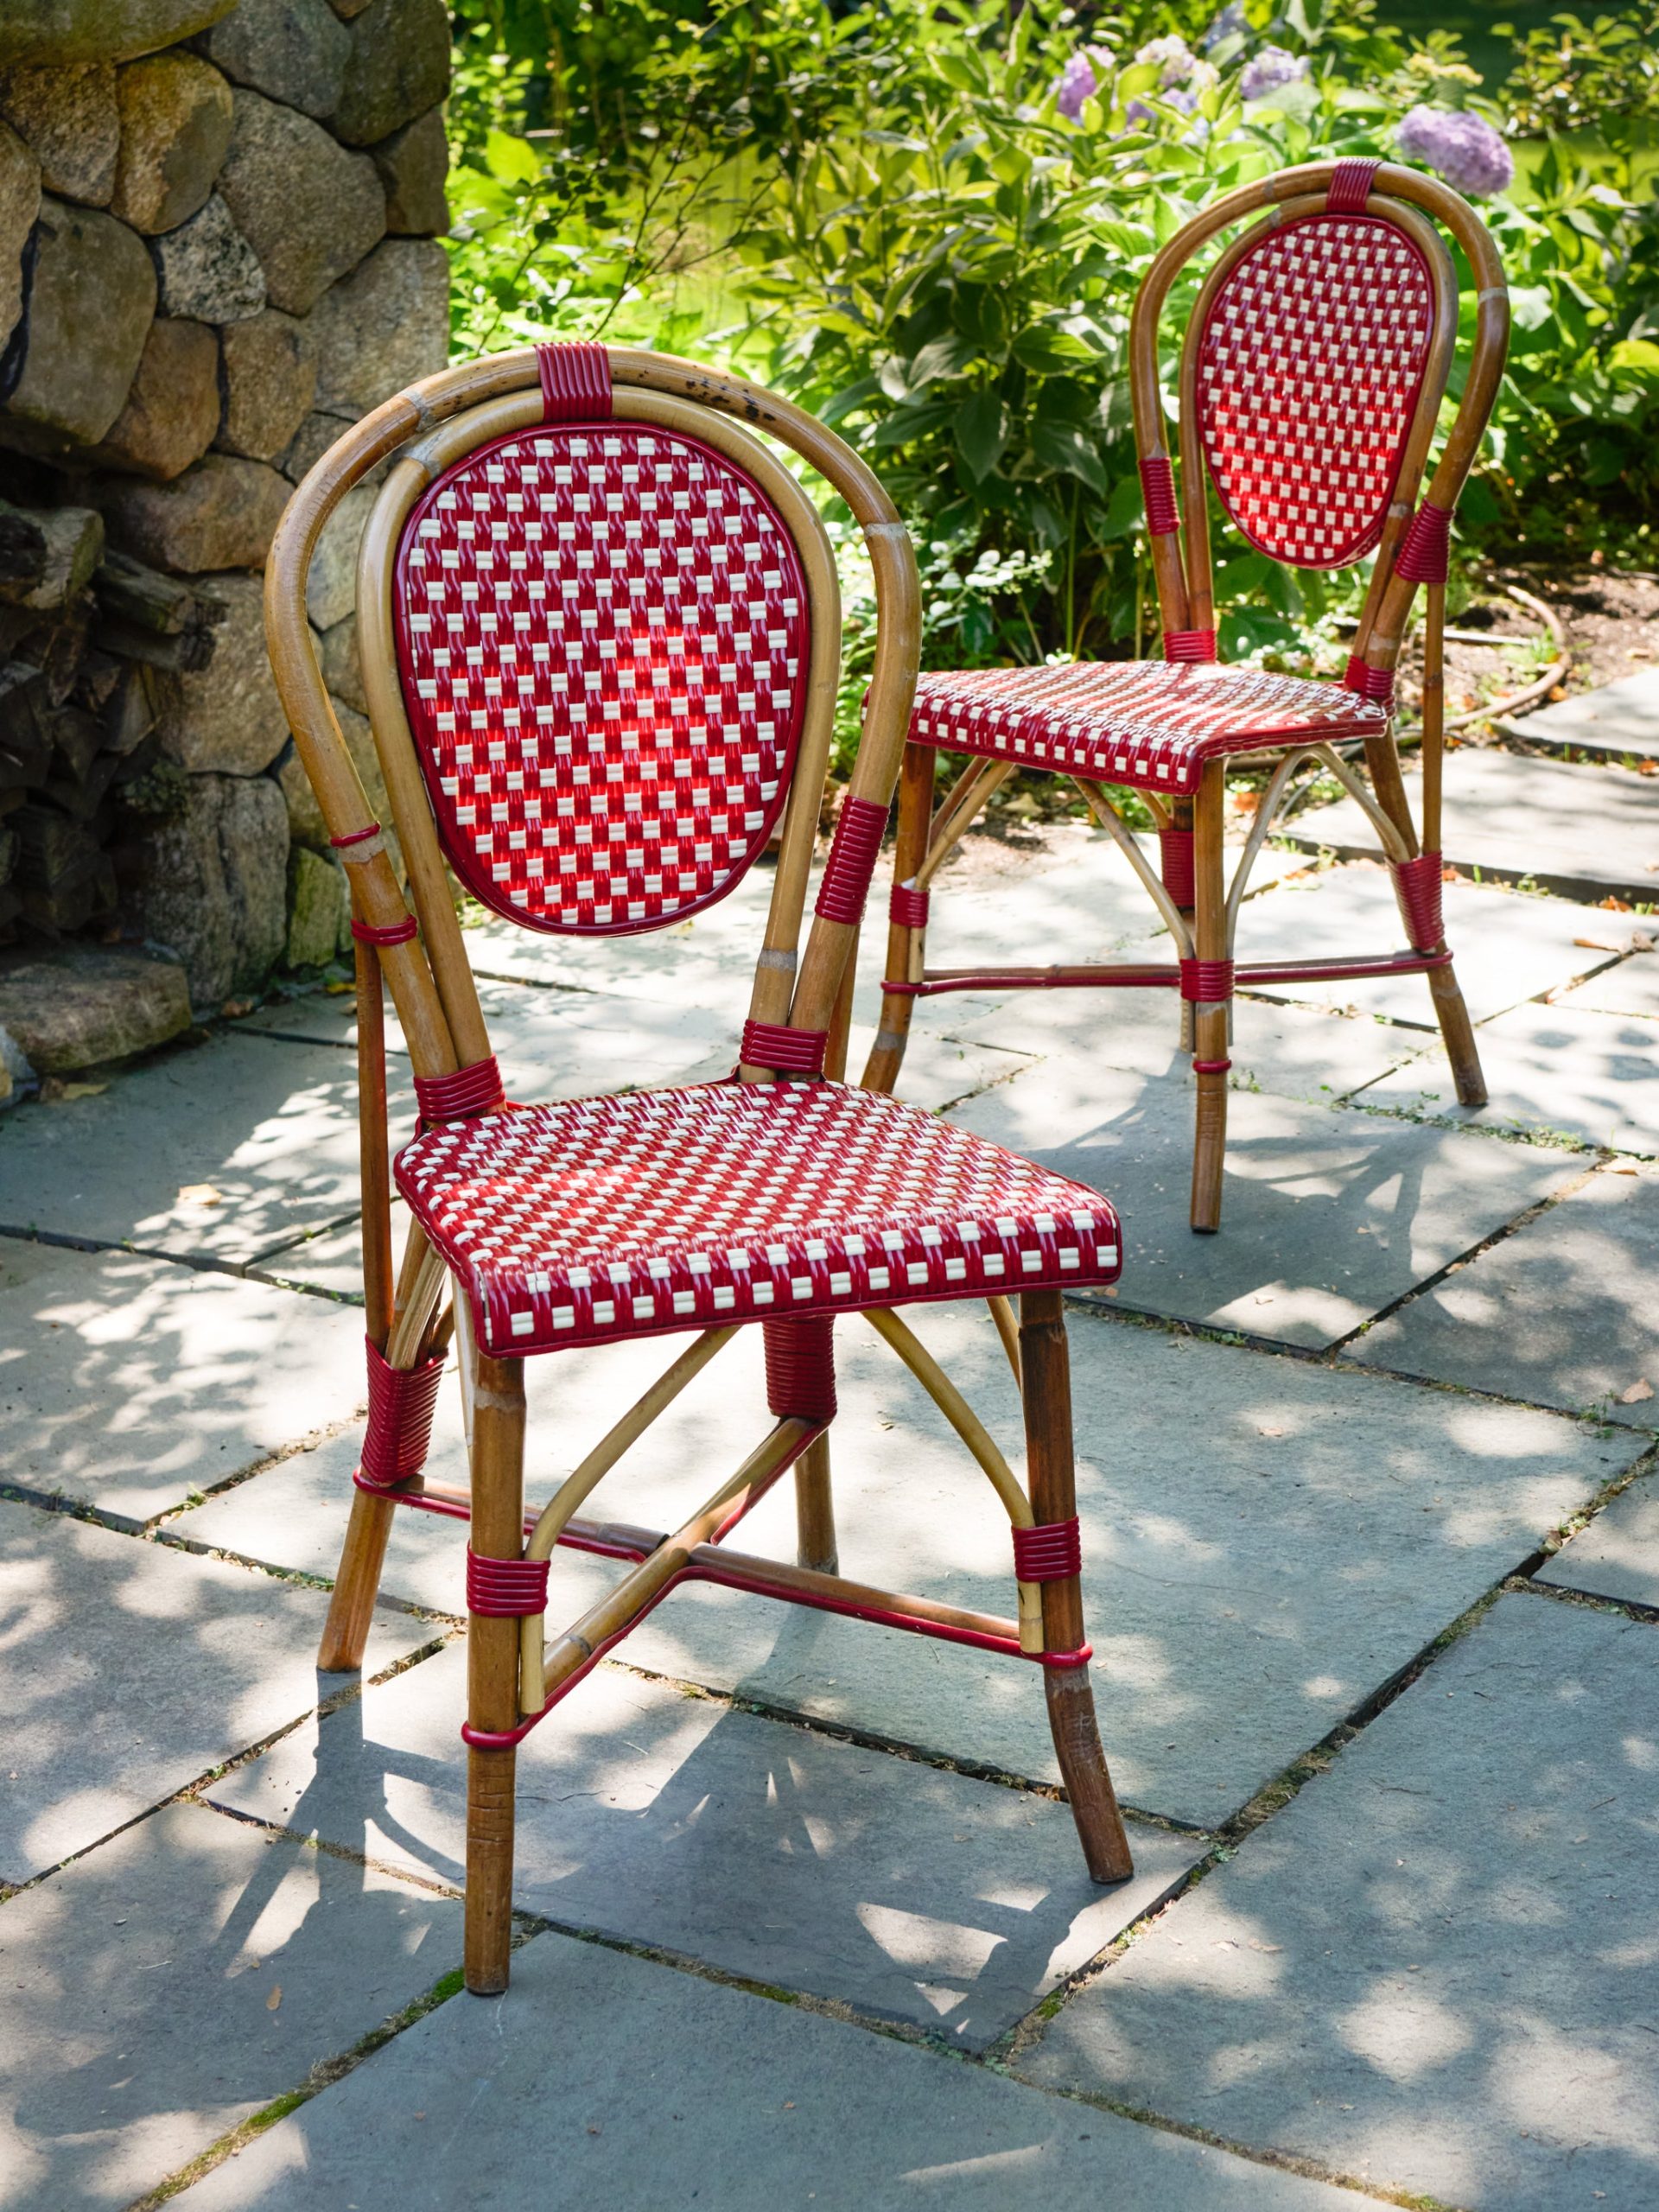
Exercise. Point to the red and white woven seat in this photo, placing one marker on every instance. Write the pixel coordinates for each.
(1149, 724)
(656, 1211)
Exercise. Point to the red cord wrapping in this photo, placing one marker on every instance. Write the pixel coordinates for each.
(1051, 1552)
(1426, 554)
(852, 859)
(1375, 683)
(1206, 981)
(908, 906)
(801, 1370)
(1175, 845)
(398, 933)
(506, 1589)
(355, 836)
(1419, 884)
(1158, 490)
(1189, 644)
(1351, 188)
(401, 1399)
(461, 1096)
(575, 382)
(791, 1051)
(1210, 1067)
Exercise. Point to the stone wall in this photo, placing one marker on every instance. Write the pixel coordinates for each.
(218, 246)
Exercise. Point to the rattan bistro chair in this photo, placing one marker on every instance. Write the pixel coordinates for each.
(1312, 375)
(600, 634)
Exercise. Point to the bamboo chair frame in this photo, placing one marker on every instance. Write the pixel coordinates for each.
(517, 1674)
(1203, 922)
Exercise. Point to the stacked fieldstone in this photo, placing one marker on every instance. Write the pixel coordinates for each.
(218, 245)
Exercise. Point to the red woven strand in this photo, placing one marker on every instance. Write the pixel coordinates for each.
(1419, 883)
(791, 1051)
(1350, 187)
(1206, 981)
(461, 1096)
(575, 382)
(852, 859)
(398, 933)
(908, 906)
(1175, 846)
(801, 1370)
(1375, 683)
(1158, 489)
(401, 1399)
(1189, 644)
(506, 1589)
(1051, 1552)
(355, 836)
(1425, 555)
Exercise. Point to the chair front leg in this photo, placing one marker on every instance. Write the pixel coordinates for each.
(498, 1532)
(906, 938)
(1052, 1477)
(1210, 994)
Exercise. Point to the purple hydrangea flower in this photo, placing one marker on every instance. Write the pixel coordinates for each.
(1230, 23)
(1269, 70)
(1462, 148)
(1081, 78)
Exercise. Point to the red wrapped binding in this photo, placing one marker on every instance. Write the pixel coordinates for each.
(355, 838)
(1350, 187)
(1419, 884)
(1158, 489)
(908, 906)
(506, 1589)
(397, 933)
(791, 1051)
(401, 1399)
(1426, 554)
(1375, 683)
(801, 1370)
(1206, 981)
(1210, 1067)
(1175, 846)
(852, 859)
(1051, 1552)
(461, 1096)
(575, 382)
(1189, 644)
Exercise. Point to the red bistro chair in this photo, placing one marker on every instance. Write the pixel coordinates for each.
(601, 633)
(1311, 374)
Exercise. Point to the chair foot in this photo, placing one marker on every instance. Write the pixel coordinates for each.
(357, 1584)
(488, 1936)
(1209, 1149)
(1457, 1032)
(1087, 1778)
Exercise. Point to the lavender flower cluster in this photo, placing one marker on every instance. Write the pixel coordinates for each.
(1461, 147)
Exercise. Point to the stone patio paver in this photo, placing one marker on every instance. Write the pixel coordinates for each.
(1265, 1541)
(126, 1383)
(770, 1851)
(1438, 1969)
(1628, 986)
(1616, 1554)
(180, 1977)
(605, 2080)
(1562, 1313)
(1617, 719)
(129, 1668)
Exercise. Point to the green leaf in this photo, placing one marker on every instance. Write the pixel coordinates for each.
(510, 161)
(1125, 511)
(981, 432)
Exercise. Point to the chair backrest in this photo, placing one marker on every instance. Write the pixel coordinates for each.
(600, 634)
(1311, 374)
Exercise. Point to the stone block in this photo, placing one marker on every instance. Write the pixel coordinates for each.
(1616, 1554)
(222, 513)
(132, 1668)
(319, 907)
(172, 410)
(210, 885)
(75, 1006)
(331, 580)
(1433, 1972)
(312, 439)
(64, 31)
(341, 670)
(398, 66)
(270, 376)
(1620, 721)
(383, 326)
(175, 126)
(204, 1968)
(294, 51)
(207, 269)
(413, 163)
(309, 209)
(92, 301)
(226, 717)
(19, 203)
(69, 119)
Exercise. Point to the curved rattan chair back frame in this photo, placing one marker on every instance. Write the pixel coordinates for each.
(1181, 561)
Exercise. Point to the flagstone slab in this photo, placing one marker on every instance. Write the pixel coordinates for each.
(1328, 1215)
(1583, 831)
(1620, 720)
(680, 2090)
(1551, 1071)
(1244, 1520)
(1628, 986)
(1562, 1313)
(220, 1152)
(1616, 1554)
(130, 1667)
(1438, 1969)
(184, 1975)
(128, 1383)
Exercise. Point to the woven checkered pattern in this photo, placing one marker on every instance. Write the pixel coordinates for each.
(1152, 723)
(604, 1217)
(1309, 368)
(603, 636)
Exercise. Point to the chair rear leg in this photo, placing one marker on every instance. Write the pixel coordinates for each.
(497, 1462)
(1047, 1396)
(1209, 1058)
(357, 1584)
(907, 940)
(815, 1510)
(1458, 1032)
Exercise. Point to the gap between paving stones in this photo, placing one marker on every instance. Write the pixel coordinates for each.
(201, 1263)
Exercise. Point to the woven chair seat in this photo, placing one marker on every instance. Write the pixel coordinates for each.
(1147, 723)
(661, 1210)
